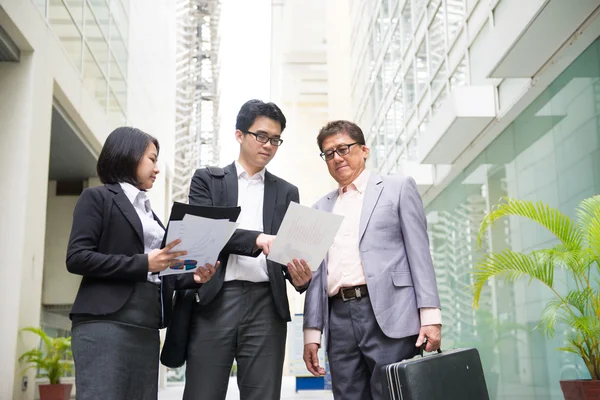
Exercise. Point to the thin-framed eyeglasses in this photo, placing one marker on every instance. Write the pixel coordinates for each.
(341, 151)
(264, 138)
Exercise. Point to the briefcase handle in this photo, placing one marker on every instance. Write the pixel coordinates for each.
(422, 348)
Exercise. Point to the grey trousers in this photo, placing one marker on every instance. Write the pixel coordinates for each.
(241, 323)
(357, 349)
(116, 355)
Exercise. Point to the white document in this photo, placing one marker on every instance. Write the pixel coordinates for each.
(203, 239)
(305, 233)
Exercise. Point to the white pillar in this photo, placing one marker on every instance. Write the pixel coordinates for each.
(25, 112)
(338, 60)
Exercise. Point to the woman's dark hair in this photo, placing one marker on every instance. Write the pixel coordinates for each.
(121, 154)
(256, 108)
(335, 127)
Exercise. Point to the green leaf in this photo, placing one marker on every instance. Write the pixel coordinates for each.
(586, 326)
(587, 211)
(50, 358)
(550, 317)
(41, 334)
(550, 218)
(593, 234)
(578, 255)
(579, 299)
(570, 349)
(510, 265)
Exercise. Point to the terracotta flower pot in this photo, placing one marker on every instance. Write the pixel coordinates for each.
(581, 389)
(61, 391)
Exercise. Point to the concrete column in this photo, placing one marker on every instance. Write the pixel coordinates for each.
(338, 60)
(277, 50)
(25, 112)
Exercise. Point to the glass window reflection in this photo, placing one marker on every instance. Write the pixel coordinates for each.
(64, 26)
(94, 35)
(95, 39)
(117, 46)
(93, 78)
(102, 13)
(551, 152)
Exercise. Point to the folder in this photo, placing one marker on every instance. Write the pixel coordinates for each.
(179, 210)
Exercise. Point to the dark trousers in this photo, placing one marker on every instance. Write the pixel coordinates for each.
(242, 323)
(357, 349)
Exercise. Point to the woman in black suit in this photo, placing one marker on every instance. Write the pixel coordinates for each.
(115, 245)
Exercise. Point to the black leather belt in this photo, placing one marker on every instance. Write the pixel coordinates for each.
(352, 293)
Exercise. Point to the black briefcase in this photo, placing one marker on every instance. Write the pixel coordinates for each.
(450, 375)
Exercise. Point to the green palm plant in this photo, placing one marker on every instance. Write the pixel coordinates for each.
(53, 359)
(577, 252)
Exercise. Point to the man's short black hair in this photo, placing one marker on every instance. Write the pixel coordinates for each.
(121, 155)
(340, 126)
(257, 108)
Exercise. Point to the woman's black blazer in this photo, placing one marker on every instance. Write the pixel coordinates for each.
(106, 247)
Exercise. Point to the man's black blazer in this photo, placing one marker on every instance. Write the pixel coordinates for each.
(106, 247)
(277, 197)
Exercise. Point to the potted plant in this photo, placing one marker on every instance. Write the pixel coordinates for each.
(52, 360)
(577, 253)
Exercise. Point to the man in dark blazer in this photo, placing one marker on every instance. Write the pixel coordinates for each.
(242, 312)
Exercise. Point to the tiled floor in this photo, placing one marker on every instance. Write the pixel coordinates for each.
(288, 391)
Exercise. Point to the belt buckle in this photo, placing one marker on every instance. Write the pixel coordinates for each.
(357, 294)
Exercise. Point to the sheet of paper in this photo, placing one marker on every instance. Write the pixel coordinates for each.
(203, 239)
(305, 233)
(180, 210)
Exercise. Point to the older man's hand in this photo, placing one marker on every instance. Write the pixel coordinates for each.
(311, 359)
(433, 333)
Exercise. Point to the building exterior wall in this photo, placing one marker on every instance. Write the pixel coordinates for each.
(550, 153)
(25, 89)
(431, 79)
(103, 64)
(481, 100)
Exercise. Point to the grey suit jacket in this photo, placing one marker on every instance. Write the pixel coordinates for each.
(394, 250)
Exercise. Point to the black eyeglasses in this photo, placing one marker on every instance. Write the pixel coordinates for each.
(263, 138)
(341, 151)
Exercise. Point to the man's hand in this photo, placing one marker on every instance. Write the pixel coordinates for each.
(204, 274)
(433, 333)
(300, 273)
(264, 242)
(311, 359)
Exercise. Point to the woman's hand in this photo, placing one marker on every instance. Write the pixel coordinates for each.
(160, 259)
(203, 274)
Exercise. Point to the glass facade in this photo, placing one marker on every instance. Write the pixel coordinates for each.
(405, 59)
(551, 152)
(95, 34)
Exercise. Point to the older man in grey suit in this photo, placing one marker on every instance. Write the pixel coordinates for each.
(374, 296)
